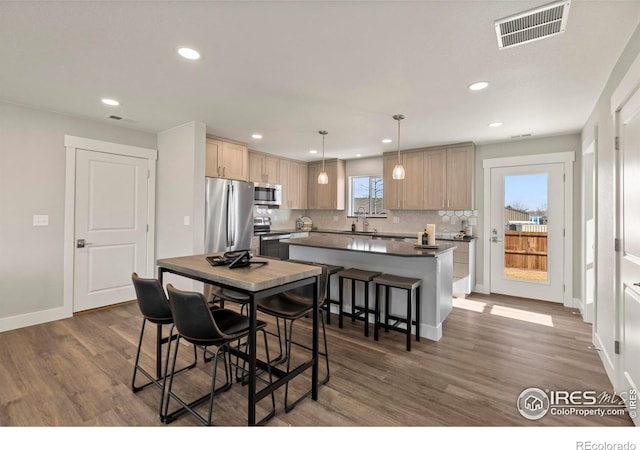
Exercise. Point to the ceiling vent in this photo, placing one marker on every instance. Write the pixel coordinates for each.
(532, 25)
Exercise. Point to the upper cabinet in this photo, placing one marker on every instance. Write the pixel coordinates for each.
(293, 178)
(326, 196)
(226, 159)
(264, 168)
(435, 178)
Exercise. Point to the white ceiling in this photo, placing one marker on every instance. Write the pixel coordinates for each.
(288, 69)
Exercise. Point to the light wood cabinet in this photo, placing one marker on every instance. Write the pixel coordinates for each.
(460, 169)
(264, 168)
(435, 178)
(226, 159)
(296, 188)
(392, 194)
(326, 196)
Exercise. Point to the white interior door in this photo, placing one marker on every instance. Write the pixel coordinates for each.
(628, 217)
(526, 231)
(589, 232)
(111, 218)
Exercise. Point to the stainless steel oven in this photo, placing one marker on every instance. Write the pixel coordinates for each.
(267, 194)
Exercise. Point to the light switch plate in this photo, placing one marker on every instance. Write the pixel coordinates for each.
(40, 220)
(187, 220)
(335, 218)
(396, 219)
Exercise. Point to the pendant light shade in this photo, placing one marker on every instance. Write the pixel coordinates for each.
(323, 178)
(398, 170)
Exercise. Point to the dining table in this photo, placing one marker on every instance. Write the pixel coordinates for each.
(256, 281)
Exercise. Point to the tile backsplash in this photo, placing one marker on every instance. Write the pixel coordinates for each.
(448, 223)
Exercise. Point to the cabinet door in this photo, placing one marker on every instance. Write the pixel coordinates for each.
(413, 197)
(212, 166)
(235, 161)
(298, 176)
(328, 193)
(460, 177)
(287, 182)
(271, 169)
(312, 186)
(256, 171)
(392, 188)
(435, 179)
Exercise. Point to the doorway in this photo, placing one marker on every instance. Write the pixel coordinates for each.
(109, 232)
(528, 205)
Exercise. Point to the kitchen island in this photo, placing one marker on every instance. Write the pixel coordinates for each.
(433, 266)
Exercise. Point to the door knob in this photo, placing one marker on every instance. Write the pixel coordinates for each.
(82, 244)
(495, 239)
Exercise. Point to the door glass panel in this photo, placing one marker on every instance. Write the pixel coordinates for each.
(525, 222)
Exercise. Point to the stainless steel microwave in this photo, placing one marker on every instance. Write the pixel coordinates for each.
(267, 194)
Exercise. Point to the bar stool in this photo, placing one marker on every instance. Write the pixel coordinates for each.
(333, 270)
(365, 276)
(410, 285)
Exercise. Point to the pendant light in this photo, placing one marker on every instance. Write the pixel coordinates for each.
(323, 178)
(398, 170)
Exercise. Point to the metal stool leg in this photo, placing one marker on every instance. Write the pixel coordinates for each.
(340, 300)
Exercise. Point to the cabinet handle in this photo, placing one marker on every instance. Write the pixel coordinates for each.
(218, 170)
(224, 168)
(442, 203)
(448, 202)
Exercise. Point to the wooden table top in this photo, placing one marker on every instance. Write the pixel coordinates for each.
(253, 278)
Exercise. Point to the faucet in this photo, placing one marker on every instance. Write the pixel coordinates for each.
(364, 218)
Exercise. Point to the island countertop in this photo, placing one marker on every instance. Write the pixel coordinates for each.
(367, 244)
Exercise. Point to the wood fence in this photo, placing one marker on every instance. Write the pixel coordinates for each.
(525, 250)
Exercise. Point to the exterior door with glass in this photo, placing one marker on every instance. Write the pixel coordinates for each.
(527, 231)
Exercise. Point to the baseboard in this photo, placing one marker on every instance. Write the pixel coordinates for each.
(607, 362)
(36, 318)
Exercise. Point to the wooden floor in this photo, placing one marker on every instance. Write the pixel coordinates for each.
(77, 372)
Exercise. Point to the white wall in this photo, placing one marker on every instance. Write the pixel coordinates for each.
(601, 118)
(32, 181)
(180, 193)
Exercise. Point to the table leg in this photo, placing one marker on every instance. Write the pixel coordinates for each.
(314, 340)
(252, 361)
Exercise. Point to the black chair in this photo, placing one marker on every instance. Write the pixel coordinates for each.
(154, 307)
(291, 306)
(200, 325)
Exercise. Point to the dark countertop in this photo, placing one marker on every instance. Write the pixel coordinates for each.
(366, 244)
(388, 235)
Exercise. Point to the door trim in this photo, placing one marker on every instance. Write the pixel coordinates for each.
(567, 158)
(72, 145)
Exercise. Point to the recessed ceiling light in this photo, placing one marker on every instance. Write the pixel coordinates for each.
(313, 152)
(256, 136)
(386, 141)
(188, 53)
(110, 102)
(495, 124)
(478, 86)
(358, 155)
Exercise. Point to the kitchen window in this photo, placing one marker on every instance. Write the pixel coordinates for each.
(366, 192)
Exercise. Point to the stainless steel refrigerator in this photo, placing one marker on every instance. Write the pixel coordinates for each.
(228, 215)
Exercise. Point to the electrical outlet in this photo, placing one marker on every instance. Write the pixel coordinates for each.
(40, 220)
(187, 220)
(335, 218)
(396, 219)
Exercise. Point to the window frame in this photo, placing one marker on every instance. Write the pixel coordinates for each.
(351, 211)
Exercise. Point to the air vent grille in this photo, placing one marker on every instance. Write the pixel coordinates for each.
(114, 117)
(532, 25)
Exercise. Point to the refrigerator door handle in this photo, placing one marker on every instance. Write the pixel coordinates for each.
(233, 215)
(228, 216)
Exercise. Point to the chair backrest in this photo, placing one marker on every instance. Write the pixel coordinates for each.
(192, 317)
(152, 300)
(305, 293)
